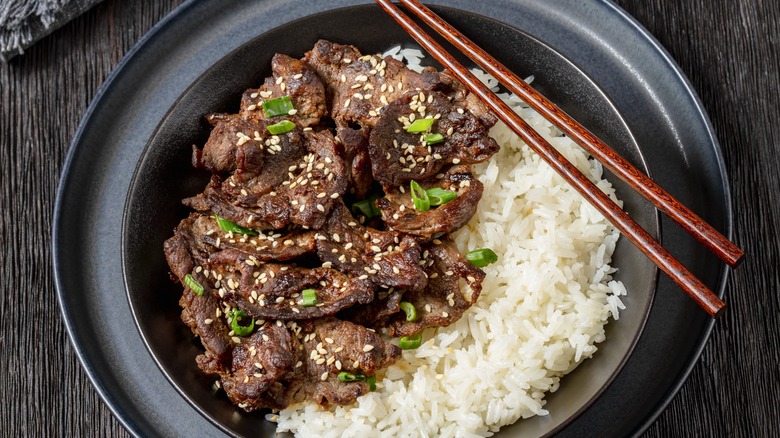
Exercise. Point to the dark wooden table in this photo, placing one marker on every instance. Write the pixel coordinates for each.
(729, 51)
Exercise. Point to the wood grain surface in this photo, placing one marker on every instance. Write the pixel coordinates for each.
(728, 50)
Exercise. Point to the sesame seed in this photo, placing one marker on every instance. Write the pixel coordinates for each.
(236, 339)
(324, 376)
(368, 347)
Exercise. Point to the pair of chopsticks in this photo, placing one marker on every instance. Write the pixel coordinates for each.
(688, 220)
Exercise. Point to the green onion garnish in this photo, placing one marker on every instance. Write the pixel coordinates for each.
(281, 127)
(193, 284)
(237, 315)
(420, 125)
(439, 196)
(309, 298)
(371, 380)
(367, 208)
(409, 310)
(278, 107)
(420, 197)
(232, 227)
(434, 138)
(482, 257)
(410, 342)
(349, 377)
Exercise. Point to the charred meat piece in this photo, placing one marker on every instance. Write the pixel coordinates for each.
(385, 258)
(232, 144)
(357, 161)
(303, 195)
(293, 78)
(400, 214)
(259, 361)
(443, 301)
(274, 291)
(398, 156)
(360, 87)
(256, 159)
(197, 310)
(205, 236)
(333, 346)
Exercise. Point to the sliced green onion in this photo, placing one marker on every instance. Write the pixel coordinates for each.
(371, 380)
(367, 208)
(434, 138)
(309, 298)
(409, 310)
(439, 196)
(193, 284)
(237, 315)
(420, 125)
(281, 127)
(232, 227)
(420, 197)
(349, 377)
(280, 106)
(410, 342)
(482, 257)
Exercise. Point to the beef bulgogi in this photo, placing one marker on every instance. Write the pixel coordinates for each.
(312, 247)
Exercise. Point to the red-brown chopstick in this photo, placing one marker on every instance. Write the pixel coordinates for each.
(641, 183)
(622, 221)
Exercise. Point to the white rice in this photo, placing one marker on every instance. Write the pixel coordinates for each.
(543, 307)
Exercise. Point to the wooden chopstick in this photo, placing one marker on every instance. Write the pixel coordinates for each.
(704, 297)
(641, 183)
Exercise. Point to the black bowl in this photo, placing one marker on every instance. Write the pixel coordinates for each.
(164, 176)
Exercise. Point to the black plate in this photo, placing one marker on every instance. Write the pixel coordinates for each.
(648, 91)
(164, 176)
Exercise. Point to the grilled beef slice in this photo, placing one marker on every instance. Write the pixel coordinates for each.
(359, 87)
(400, 214)
(443, 301)
(385, 258)
(398, 156)
(293, 78)
(299, 192)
